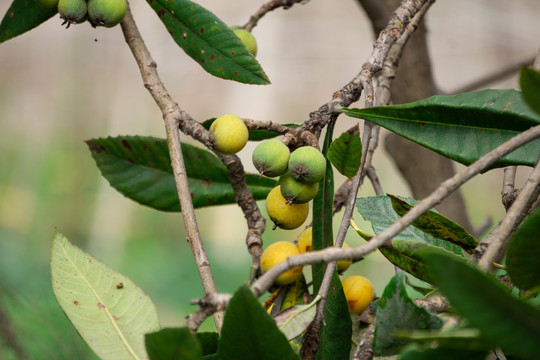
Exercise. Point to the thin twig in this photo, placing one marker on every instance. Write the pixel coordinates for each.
(171, 115)
(372, 175)
(443, 191)
(207, 306)
(266, 8)
(500, 236)
(498, 75)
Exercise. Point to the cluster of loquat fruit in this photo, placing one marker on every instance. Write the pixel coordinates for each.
(106, 13)
(287, 204)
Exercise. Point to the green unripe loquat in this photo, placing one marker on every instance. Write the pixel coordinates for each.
(271, 158)
(106, 13)
(296, 192)
(72, 11)
(307, 164)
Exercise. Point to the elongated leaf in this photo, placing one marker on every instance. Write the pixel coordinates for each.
(256, 134)
(336, 330)
(462, 127)
(22, 16)
(209, 41)
(108, 310)
(523, 253)
(529, 80)
(294, 320)
(250, 333)
(504, 320)
(438, 226)
(345, 153)
(404, 254)
(173, 344)
(140, 168)
(379, 211)
(397, 312)
(209, 342)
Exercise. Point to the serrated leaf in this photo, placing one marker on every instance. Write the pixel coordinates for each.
(462, 127)
(379, 211)
(140, 168)
(529, 80)
(294, 320)
(486, 304)
(523, 253)
(397, 312)
(250, 333)
(209, 41)
(173, 344)
(336, 330)
(22, 16)
(438, 226)
(345, 153)
(255, 135)
(108, 310)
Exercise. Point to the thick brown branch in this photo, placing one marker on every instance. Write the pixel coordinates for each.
(173, 117)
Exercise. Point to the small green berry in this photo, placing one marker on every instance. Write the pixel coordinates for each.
(271, 158)
(307, 164)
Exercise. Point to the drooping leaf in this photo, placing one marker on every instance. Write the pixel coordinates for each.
(523, 253)
(255, 134)
(209, 41)
(294, 320)
(336, 330)
(438, 226)
(345, 153)
(486, 304)
(397, 312)
(379, 211)
(250, 333)
(456, 337)
(173, 344)
(108, 310)
(140, 168)
(22, 16)
(208, 341)
(404, 254)
(529, 80)
(462, 127)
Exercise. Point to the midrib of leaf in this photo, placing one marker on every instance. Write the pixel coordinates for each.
(105, 308)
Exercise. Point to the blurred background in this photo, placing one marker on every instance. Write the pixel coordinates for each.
(60, 87)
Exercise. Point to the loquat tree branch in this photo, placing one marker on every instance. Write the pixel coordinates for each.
(174, 118)
(443, 191)
(266, 8)
(509, 193)
(498, 238)
(207, 306)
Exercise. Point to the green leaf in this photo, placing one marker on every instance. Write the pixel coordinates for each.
(173, 344)
(208, 341)
(396, 311)
(462, 127)
(209, 41)
(438, 226)
(336, 332)
(404, 254)
(256, 134)
(345, 153)
(379, 211)
(250, 333)
(108, 310)
(523, 253)
(486, 304)
(22, 16)
(529, 80)
(140, 168)
(294, 320)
